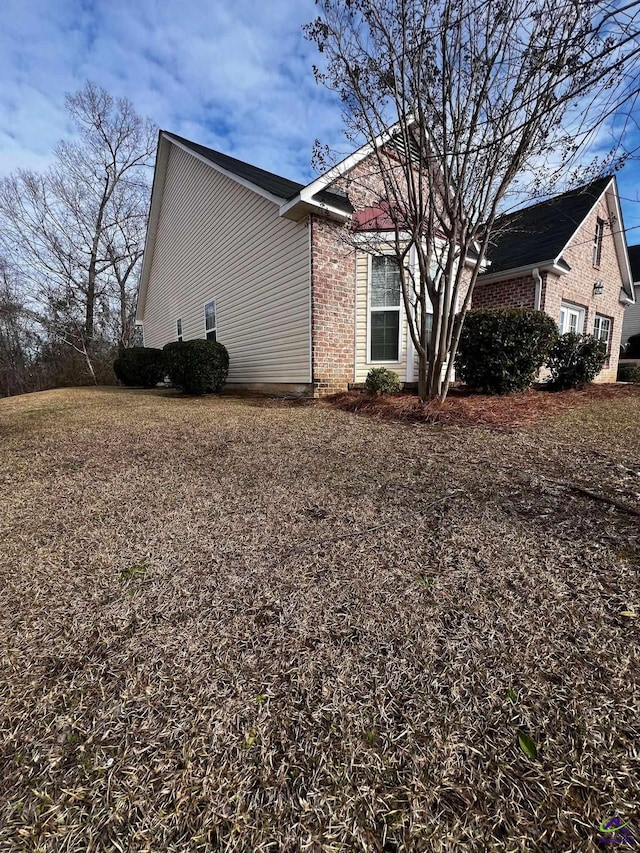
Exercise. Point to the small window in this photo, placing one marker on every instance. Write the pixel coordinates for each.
(571, 319)
(597, 242)
(210, 320)
(179, 329)
(384, 309)
(602, 329)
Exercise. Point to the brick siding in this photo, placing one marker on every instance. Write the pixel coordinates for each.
(333, 285)
(575, 287)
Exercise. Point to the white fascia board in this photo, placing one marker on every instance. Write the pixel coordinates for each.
(242, 181)
(157, 191)
(306, 193)
(621, 245)
(546, 266)
(301, 209)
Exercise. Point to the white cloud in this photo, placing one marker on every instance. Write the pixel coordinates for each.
(232, 74)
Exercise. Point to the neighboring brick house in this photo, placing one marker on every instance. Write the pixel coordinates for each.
(260, 263)
(631, 324)
(566, 256)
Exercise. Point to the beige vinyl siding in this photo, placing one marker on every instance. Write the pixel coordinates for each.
(631, 323)
(219, 240)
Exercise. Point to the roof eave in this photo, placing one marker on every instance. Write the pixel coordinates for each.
(298, 208)
(545, 266)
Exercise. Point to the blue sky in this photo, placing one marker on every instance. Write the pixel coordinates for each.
(236, 76)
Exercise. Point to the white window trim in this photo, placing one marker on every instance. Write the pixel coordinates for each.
(572, 309)
(204, 313)
(179, 334)
(609, 328)
(598, 238)
(377, 311)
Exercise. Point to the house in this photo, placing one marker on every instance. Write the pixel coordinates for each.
(631, 324)
(240, 255)
(566, 256)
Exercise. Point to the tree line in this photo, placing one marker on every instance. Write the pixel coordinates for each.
(71, 242)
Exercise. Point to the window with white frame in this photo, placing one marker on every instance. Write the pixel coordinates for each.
(571, 319)
(597, 242)
(210, 326)
(384, 309)
(602, 329)
(179, 329)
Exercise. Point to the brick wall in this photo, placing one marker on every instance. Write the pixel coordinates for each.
(511, 292)
(577, 286)
(333, 287)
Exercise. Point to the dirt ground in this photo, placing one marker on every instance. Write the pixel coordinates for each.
(242, 625)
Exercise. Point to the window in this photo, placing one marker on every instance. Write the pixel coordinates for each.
(384, 309)
(571, 319)
(597, 242)
(179, 329)
(210, 320)
(602, 329)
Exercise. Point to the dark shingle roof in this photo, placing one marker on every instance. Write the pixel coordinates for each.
(276, 185)
(634, 261)
(540, 232)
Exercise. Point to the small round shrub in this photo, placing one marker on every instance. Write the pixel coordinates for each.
(197, 367)
(575, 360)
(381, 380)
(632, 347)
(502, 349)
(628, 373)
(140, 367)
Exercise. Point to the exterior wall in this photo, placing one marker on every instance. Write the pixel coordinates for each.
(631, 324)
(577, 286)
(333, 307)
(218, 240)
(519, 292)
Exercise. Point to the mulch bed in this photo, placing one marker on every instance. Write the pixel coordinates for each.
(465, 409)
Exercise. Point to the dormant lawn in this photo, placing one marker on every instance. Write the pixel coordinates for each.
(234, 625)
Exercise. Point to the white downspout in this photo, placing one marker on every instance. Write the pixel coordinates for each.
(537, 299)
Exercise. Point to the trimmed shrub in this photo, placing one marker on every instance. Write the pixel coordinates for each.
(380, 380)
(632, 347)
(628, 373)
(197, 367)
(502, 349)
(140, 367)
(575, 360)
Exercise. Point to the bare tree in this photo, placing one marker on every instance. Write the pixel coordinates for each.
(464, 103)
(18, 340)
(76, 230)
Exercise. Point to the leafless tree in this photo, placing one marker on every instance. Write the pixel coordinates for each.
(475, 103)
(76, 230)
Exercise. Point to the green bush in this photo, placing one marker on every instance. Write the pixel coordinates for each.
(575, 360)
(502, 349)
(628, 373)
(140, 367)
(197, 367)
(380, 380)
(632, 347)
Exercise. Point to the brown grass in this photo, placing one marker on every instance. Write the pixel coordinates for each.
(463, 409)
(232, 626)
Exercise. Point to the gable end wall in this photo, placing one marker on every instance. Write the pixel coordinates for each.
(219, 240)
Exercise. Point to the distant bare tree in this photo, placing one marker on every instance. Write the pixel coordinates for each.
(76, 231)
(483, 100)
(18, 341)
